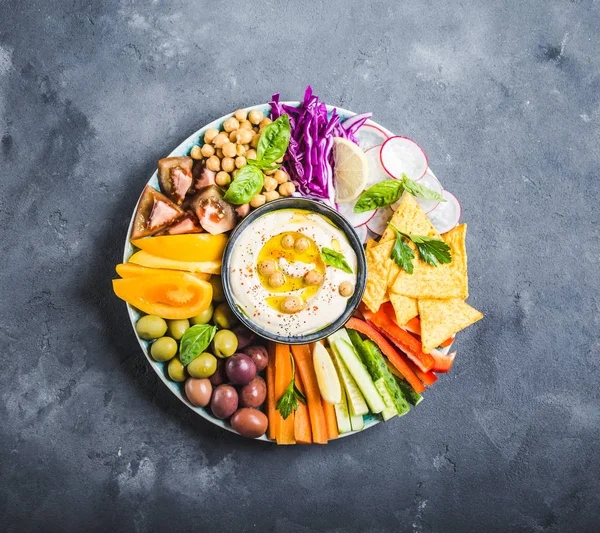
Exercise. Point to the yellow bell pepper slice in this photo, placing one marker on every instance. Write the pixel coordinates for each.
(196, 247)
(146, 259)
(131, 270)
(172, 295)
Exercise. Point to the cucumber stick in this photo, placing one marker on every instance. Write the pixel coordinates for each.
(413, 397)
(343, 346)
(342, 415)
(357, 422)
(356, 402)
(390, 409)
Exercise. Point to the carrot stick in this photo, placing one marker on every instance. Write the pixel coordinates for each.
(330, 419)
(283, 376)
(272, 413)
(388, 350)
(302, 420)
(304, 364)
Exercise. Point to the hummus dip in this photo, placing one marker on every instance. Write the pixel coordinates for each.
(279, 278)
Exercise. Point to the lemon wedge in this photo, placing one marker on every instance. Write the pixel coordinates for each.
(327, 377)
(350, 170)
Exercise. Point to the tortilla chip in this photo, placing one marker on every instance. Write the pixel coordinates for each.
(440, 319)
(404, 307)
(371, 243)
(449, 280)
(377, 278)
(409, 218)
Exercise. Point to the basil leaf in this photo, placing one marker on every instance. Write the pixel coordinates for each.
(274, 140)
(416, 189)
(379, 195)
(247, 182)
(263, 165)
(432, 251)
(402, 254)
(194, 341)
(335, 259)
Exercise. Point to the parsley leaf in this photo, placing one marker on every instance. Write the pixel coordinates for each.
(417, 189)
(335, 259)
(432, 251)
(288, 402)
(402, 254)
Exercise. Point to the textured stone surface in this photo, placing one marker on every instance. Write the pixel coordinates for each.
(505, 99)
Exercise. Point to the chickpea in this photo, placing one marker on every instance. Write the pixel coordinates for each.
(271, 195)
(268, 172)
(222, 179)
(210, 134)
(240, 150)
(246, 146)
(196, 152)
(219, 153)
(291, 304)
(231, 124)
(227, 164)
(246, 125)
(302, 244)
(264, 122)
(277, 279)
(280, 176)
(256, 129)
(254, 141)
(220, 140)
(234, 172)
(287, 188)
(251, 154)
(288, 241)
(233, 136)
(229, 149)
(207, 150)
(270, 184)
(257, 200)
(240, 161)
(280, 160)
(244, 136)
(255, 116)
(346, 289)
(240, 115)
(313, 277)
(213, 163)
(267, 267)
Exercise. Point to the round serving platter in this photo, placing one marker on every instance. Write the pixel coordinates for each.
(134, 315)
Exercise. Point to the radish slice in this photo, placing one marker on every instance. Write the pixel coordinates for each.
(376, 171)
(446, 215)
(362, 232)
(379, 222)
(400, 155)
(356, 219)
(369, 136)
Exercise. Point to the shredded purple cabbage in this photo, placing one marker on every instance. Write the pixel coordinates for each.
(309, 157)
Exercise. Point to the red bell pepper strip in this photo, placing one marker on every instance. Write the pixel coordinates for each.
(442, 362)
(429, 378)
(402, 339)
(388, 350)
(448, 342)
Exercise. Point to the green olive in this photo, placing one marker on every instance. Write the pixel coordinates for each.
(176, 370)
(225, 343)
(224, 317)
(176, 328)
(204, 317)
(151, 327)
(204, 366)
(218, 295)
(163, 349)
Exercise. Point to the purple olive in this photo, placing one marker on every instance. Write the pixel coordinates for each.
(219, 376)
(253, 394)
(244, 335)
(259, 355)
(240, 369)
(224, 401)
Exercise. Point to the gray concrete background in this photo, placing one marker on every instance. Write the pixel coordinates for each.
(505, 99)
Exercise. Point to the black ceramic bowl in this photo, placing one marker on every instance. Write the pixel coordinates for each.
(342, 224)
